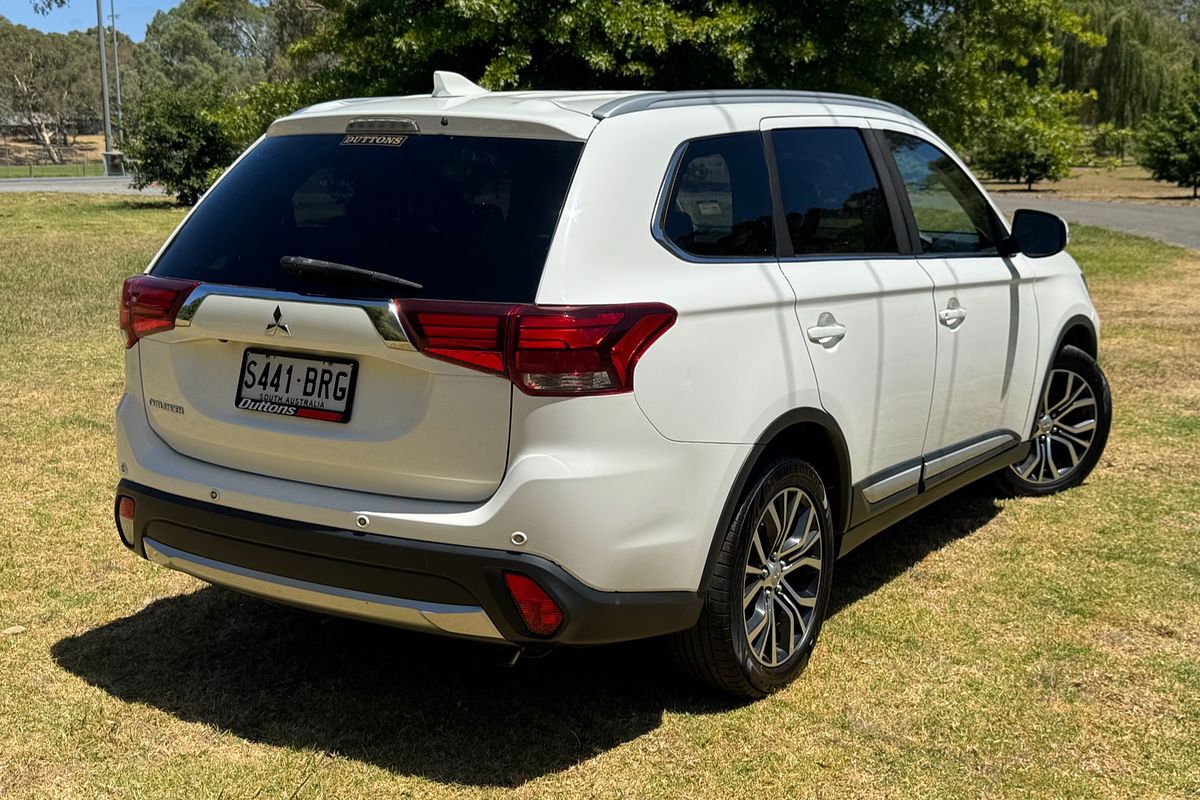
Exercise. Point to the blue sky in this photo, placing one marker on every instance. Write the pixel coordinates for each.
(132, 15)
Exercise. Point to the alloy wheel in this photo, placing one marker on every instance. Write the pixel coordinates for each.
(1066, 428)
(782, 577)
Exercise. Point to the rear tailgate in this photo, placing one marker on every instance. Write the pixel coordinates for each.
(310, 377)
(414, 426)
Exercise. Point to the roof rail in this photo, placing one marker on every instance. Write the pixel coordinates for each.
(649, 100)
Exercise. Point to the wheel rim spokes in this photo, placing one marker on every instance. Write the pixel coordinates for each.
(781, 577)
(1065, 430)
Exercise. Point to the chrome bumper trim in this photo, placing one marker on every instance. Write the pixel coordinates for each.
(418, 615)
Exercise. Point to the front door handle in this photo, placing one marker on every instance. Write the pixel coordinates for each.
(953, 314)
(828, 331)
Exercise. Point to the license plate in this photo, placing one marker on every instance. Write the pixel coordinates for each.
(291, 386)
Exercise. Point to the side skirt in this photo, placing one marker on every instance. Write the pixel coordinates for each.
(929, 493)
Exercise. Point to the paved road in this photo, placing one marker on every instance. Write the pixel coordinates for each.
(90, 185)
(1175, 224)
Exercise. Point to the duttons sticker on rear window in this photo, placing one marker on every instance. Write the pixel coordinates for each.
(381, 140)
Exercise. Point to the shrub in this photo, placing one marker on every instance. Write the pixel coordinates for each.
(178, 143)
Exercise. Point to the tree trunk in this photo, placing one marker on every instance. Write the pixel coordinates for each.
(37, 123)
(43, 137)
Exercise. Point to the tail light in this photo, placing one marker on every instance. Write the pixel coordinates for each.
(539, 612)
(544, 350)
(149, 305)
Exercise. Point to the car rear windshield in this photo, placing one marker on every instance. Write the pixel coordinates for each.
(468, 218)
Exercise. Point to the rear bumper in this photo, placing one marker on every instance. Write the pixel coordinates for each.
(447, 589)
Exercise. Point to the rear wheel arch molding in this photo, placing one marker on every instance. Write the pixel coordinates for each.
(829, 456)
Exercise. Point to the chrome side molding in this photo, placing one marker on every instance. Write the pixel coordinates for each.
(892, 484)
(936, 466)
(928, 468)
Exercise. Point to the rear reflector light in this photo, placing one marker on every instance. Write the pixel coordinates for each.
(544, 350)
(541, 614)
(149, 305)
(126, 509)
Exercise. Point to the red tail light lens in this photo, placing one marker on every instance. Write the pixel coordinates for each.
(149, 305)
(544, 350)
(541, 614)
(471, 334)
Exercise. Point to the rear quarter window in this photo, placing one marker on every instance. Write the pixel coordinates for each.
(469, 218)
(720, 200)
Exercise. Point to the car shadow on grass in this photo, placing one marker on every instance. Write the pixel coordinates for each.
(421, 705)
(894, 551)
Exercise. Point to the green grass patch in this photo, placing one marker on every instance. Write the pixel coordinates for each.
(985, 647)
(51, 170)
(1104, 254)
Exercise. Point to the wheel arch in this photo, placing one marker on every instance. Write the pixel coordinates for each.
(1078, 331)
(808, 433)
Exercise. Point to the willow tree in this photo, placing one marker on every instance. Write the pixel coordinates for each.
(1145, 52)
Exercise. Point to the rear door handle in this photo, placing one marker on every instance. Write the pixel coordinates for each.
(953, 314)
(828, 331)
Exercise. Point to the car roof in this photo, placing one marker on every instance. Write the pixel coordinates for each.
(467, 108)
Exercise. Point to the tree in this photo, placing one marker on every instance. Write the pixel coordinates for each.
(1144, 54)
(179, 51)
(246, 116)
(178, 143)
(49, 80)
(1169, 144)
(1033, 146)
(953, 63)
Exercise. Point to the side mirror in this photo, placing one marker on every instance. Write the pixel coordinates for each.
(1037, 234)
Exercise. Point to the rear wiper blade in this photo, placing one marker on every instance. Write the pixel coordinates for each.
(299, 265)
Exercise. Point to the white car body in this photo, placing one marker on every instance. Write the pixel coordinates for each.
(618, 493)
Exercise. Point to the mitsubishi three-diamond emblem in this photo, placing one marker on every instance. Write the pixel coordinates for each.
(277, 326)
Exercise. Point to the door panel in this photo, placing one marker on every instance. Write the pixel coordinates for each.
(877, 379)
(985, 362)
(984, 302)
(864, 309)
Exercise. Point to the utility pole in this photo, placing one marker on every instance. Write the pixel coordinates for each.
(112, 15)
(104, 85)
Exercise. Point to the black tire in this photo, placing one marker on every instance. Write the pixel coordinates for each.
(716, 651)
(1046, 478)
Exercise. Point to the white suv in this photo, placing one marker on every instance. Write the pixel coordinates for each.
(567, 368)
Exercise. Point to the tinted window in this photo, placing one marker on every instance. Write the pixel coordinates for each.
(720, 203)
(952, 216)
(831, 195)
(470, 218)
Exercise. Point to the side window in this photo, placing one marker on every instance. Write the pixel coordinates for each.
(720, 203)
(832, 198)
(951, 215)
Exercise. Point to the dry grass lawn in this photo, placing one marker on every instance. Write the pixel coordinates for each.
(1126, 184)
(986, 648)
